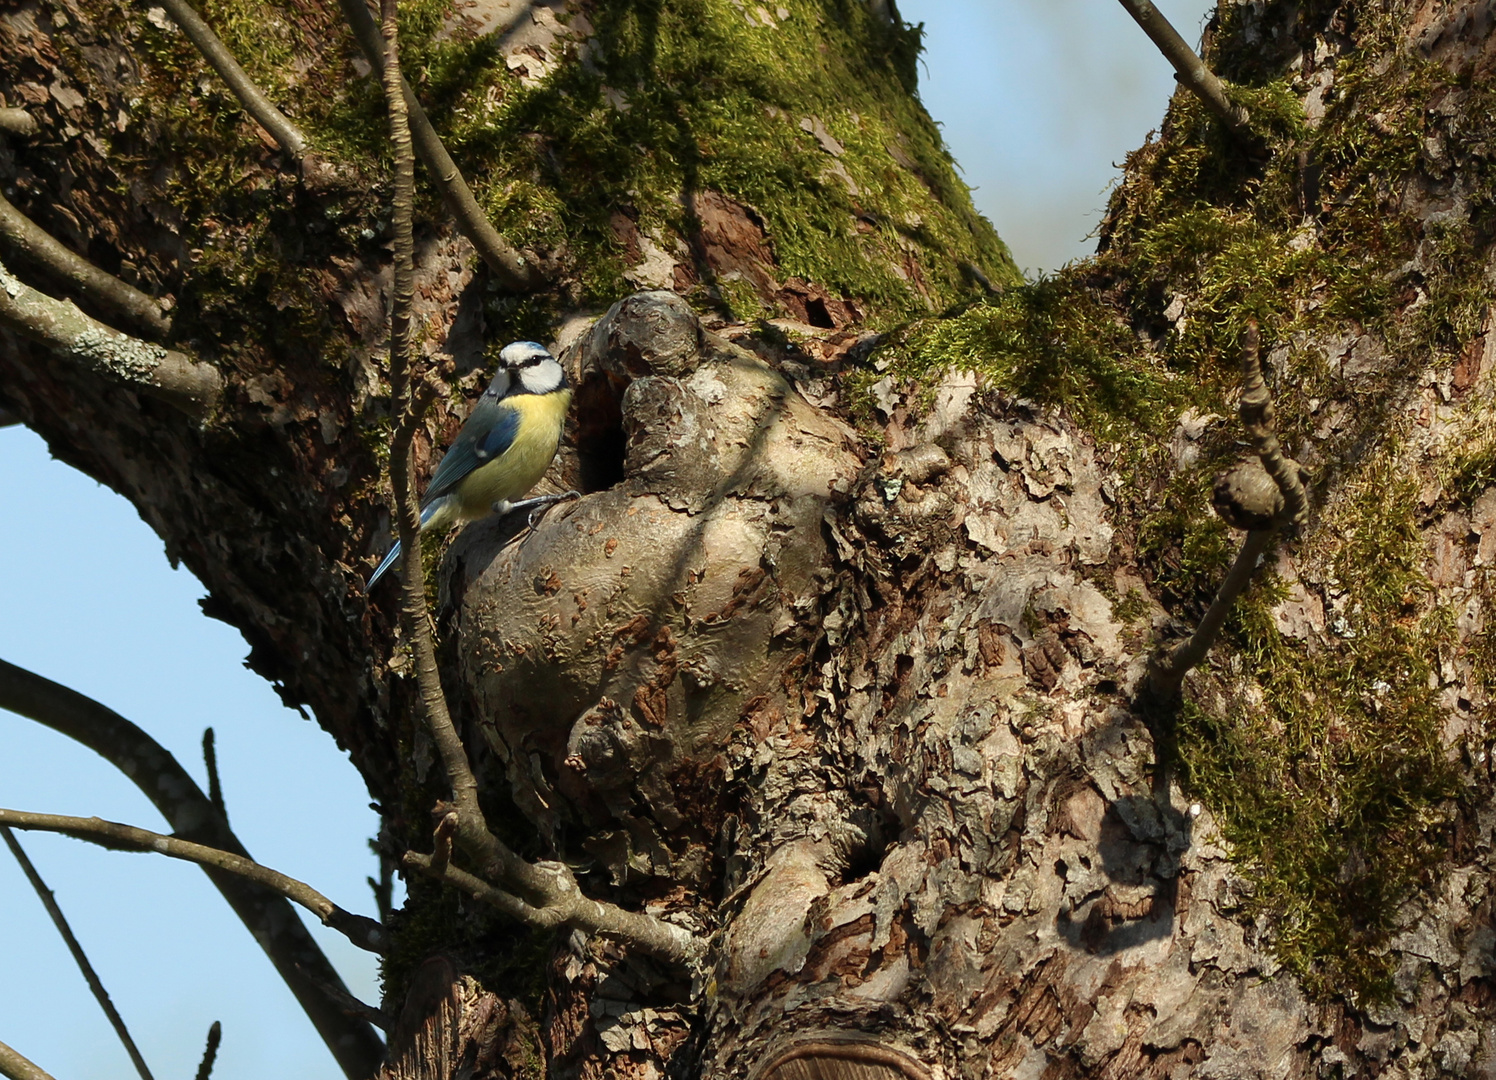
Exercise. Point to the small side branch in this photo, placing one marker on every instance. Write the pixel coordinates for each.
(281, 129)
(17, 122)
(1257, 417)
(210, 1051)
(1269, 511)
(14, 1067)
(106, 290)
(515, 271)
(90, 976)
(362, 931)
(187, 385)
(1189, 68)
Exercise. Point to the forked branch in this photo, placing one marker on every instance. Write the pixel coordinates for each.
(1190, 70)
(106, 290)
(363, 932)
(192, 816)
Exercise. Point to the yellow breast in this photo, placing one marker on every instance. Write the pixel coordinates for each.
(518, 469)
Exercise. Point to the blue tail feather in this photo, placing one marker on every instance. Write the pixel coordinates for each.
(389, 560)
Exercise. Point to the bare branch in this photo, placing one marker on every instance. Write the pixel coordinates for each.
(14, 1067)
(362, 931)
(187, 385)
(1190, 69)
(515, 271)
(106, 290)
(568, 907)
(1168, 671)
(281, 129)
(210, 1051)
(267, 915)
(90, 976)
(17, 122)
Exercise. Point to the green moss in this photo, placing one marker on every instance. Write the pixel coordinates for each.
(1051, 341)
(1331, 788)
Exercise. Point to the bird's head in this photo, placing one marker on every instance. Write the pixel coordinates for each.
(527, 367)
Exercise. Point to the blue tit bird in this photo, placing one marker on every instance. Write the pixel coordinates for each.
(504, 448)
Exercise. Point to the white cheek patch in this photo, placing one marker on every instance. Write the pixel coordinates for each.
(542, 378)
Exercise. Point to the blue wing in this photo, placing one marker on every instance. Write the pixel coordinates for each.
(489, 431)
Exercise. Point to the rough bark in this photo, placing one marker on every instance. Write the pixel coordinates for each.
(836, 662)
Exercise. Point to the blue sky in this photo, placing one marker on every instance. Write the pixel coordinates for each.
(1038, 99)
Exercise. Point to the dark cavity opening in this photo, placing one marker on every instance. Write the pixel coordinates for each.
(600, 439)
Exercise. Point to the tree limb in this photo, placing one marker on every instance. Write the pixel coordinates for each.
(281, 129)
(362, 931)
(515, 271)
(14, 1067)
(267, 915)
(187, 385)
(90, 976)
(567, 906)
(106, 290)
(1189, 68)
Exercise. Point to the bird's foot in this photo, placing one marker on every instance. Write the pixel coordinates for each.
(535, 505)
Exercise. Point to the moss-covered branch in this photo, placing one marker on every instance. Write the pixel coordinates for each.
(192, 387)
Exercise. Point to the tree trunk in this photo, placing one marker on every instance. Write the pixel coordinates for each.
(839, 660)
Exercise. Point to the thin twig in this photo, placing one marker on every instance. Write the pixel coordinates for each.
(514, 270)
(90, 976)
(1168, 672)
(187, 385)
(14, 1067)
(362, 931)
(17, 122)
(266, 914)
(210, 1051)
(1191, 70)
(210, 761)
(281, 129)
(42, 249)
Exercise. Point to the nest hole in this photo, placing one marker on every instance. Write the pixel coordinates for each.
(601, 443)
